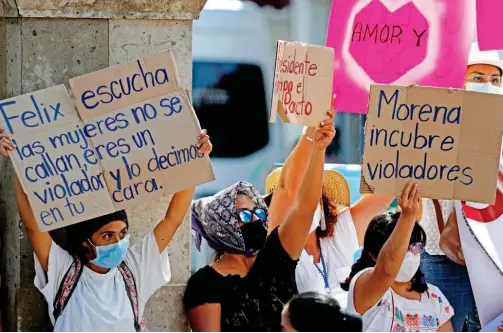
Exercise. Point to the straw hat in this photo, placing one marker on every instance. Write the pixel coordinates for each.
(335, 188)
(478, 57)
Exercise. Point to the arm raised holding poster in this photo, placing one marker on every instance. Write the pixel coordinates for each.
(163, 232)
(180, 203)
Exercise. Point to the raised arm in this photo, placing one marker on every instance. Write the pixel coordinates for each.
(40, 241)
(291, 177)
(294, 231)
(365, 209)
(179, 205)
(372, 285)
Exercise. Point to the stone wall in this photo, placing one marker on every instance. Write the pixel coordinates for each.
(45, 43)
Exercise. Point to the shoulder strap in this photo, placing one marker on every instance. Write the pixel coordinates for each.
(440, 217)
(130, 283)
(67, 286)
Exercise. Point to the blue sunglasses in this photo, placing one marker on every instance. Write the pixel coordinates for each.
(246, 215)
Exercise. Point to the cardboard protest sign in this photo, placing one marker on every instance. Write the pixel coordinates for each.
(302, 83)
(63, 187)
(446, 140)
(143, 128)
(135, 140)
(399, 42)
(490, 24)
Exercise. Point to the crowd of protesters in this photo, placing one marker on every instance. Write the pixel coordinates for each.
(284, 259)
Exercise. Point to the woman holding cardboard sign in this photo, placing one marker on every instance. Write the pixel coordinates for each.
(337, 227)
(245, 290)
(101, 284)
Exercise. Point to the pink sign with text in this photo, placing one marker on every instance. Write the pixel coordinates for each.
(398, 42)
(490, 24)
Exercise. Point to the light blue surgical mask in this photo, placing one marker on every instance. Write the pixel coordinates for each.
(487, 88)
(112, 255)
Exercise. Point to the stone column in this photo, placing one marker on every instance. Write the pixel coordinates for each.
(45, 43)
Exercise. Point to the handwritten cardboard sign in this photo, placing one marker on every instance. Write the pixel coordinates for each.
(446, 140)
(399, 42)
(302, 83)
(50, 158)
(132, 140)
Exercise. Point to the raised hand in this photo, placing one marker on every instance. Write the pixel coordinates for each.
(203, 143)
(6, 144)
(409, 200)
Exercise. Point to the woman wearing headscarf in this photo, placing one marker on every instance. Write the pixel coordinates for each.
(386, 286)
(245, 289)
(101, 283)
(337, 227)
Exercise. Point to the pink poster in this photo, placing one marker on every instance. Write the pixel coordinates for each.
(398, 42)
(490, 24)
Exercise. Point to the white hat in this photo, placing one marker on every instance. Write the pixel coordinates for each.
(478, 57)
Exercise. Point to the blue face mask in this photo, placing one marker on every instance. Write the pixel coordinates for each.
(112, 255)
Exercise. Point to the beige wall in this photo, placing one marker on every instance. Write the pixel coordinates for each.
(45, 43)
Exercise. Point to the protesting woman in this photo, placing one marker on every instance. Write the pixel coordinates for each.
(101, 284)
(386, 285)
(246, 288)
(327, 257)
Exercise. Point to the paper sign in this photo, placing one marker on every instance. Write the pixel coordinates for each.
(446, 140)
(399, 42)
(302, 83)
(135, 140)
(50, 159)
(490, 24)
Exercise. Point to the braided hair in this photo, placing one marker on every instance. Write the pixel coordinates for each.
(378, 232)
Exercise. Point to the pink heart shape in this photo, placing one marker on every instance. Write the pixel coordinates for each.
(388, 44)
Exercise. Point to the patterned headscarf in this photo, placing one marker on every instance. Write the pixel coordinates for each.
(215, 218)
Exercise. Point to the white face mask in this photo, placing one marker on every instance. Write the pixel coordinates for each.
(487, 88)
(410, 265)
(316, 219)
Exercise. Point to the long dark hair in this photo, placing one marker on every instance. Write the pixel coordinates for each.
(378, 232)
(320, 312)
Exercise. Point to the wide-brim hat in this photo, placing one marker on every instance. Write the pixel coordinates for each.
(478, 57)
(335, 188)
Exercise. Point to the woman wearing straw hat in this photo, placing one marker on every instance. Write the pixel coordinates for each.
(336, 232)
(337, 228)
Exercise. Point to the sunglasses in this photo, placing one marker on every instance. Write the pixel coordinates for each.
(416, 248)
(246, 215)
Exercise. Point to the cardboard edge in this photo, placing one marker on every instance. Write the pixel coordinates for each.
(365, 187)
(273, 111)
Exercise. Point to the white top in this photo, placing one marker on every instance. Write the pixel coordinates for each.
(338, 252)
(430, 224)
(100, 301)
(394, 313)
